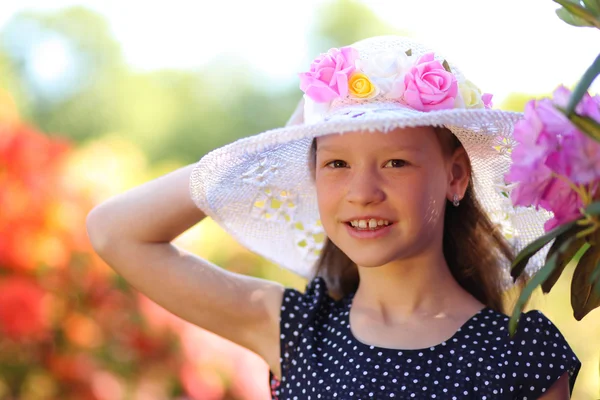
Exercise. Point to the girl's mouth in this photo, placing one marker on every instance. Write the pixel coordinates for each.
(370, 230)
(371, 224)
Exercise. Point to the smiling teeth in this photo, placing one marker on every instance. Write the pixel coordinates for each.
(370, 224)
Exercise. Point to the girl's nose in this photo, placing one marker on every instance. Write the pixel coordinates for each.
(364, 188)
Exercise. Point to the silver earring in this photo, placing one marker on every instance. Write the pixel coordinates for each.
(455, 200)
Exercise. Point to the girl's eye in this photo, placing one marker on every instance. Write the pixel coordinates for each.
(395, 163)
(337, 164)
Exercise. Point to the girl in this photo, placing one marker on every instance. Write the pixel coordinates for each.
(386, 189)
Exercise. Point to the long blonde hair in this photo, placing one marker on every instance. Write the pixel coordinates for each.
(473, 246)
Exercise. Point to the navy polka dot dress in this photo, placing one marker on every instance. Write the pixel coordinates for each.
(321, 359)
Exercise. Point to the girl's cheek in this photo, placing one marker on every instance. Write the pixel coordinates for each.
(330, 191)
(329, 178)
(336, 186)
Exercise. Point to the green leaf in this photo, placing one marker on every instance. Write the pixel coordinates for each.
(565, 257)
(595, 280)
(595, 275)
(583, 298)
(593, 6)
(586, 125)
(446, 66)
(539, 278)
(580, 12)
(593, 209)
(570, 19)
(524, 255)
(586, 81)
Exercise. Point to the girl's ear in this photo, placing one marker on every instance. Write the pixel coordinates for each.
(459, 173)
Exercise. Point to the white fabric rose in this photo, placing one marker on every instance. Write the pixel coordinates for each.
(470, 94)
(313, 111)
(386, 70)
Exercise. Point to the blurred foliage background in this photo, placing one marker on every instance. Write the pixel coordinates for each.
(69, 327)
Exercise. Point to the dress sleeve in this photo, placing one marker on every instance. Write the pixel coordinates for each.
(541, 356)
(298, 322)
(299, 312)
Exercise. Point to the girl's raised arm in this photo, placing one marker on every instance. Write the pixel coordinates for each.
(132, 232)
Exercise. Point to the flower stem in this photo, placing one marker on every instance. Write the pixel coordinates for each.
(582, 191)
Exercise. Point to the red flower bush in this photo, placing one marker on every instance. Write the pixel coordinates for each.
(66, 319)
(23, 314)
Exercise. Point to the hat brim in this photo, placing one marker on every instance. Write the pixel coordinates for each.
(260, 191)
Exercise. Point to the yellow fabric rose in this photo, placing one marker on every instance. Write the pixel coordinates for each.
(470, 94)
(360, 86)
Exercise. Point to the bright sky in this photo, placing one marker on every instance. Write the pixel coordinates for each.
(502, 46)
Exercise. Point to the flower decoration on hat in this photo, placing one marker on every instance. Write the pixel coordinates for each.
(329, 74)
(422, 83)
(361, 87)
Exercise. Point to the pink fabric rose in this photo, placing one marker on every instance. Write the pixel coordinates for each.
(328, 76)
(486, 98)
(428, 86)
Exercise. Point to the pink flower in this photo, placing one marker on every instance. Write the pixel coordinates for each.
(328, 76)
(561, 96)
(589, 106)
(578, 158)
(529, 157)
(428, 86)
(553, 156)
(486, 98)
(530, 190)
(562, 201)
(554, 122)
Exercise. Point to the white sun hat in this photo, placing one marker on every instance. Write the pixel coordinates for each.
(259, 188)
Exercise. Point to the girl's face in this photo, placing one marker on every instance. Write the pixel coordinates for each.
(381, 196)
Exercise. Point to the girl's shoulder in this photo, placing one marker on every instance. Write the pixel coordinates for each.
(315, 297)
(315, 292)
(306, 308)
(536, 355)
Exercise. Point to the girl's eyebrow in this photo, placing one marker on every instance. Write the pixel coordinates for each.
(337, 149)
